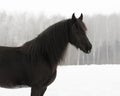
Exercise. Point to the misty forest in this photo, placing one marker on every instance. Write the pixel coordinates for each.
(103, 32)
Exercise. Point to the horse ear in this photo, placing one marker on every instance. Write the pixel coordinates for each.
(81, 17)
(73, 17)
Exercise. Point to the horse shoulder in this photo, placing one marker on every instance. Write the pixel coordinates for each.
(42, 73)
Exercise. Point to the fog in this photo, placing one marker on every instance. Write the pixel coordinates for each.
(103, 32)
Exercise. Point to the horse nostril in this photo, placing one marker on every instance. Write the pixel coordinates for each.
(88, 49)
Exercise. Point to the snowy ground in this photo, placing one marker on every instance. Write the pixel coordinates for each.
(93, 80)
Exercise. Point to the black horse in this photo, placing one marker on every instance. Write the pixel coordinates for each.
(35, 63)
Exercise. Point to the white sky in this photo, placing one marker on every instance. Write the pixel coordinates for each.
(62, 7)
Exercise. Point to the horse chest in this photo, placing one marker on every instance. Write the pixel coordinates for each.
(47, 80)
(43, 75)
(51, 79)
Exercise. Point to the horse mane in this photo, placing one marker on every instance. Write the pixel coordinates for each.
(50, 44)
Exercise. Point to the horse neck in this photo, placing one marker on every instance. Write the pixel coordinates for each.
(53, 42)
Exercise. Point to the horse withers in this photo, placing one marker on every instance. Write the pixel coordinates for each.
(35, 63)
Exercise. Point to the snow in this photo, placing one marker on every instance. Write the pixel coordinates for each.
(92, 80)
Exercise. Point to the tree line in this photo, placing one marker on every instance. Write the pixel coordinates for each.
(103, 32)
